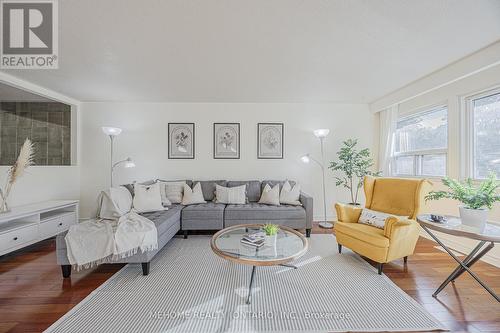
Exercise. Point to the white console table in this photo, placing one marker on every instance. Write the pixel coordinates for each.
(26, 225)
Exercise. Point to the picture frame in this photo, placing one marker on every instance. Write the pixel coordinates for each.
(226, 141)
(270, 140)
(181, 140)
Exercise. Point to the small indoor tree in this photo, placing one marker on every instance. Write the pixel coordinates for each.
(354, 166)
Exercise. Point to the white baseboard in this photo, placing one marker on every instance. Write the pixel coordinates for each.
(457, 246)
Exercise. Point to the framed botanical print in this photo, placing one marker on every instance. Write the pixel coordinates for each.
(270, 140)
(181, 140)
(226, 140)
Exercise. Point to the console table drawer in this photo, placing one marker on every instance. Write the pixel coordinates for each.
(18, 237)
(56, 225)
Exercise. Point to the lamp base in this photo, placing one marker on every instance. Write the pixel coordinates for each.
(326, 225)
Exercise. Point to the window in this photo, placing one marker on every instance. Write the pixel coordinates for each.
(421, 144)
(47, 124)
(484, 125)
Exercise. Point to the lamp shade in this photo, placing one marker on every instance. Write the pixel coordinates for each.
(305, 159)
(129, 163)
(321, 133)
(113, 131)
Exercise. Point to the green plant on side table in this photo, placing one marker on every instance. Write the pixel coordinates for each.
(271, 229)
(477, 200)
(354, 165)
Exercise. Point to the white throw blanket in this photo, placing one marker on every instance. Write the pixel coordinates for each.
(117, 233)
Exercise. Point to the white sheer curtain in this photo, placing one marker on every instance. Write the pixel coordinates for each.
(388, 123)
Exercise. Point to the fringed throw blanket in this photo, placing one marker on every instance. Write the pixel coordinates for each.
(117, 233)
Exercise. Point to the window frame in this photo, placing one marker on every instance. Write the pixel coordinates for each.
(419, 154)
(469, 129)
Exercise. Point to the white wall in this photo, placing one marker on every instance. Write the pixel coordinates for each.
(144, 138)
(41, 183)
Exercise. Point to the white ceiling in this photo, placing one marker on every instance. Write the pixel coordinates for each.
(259, 50)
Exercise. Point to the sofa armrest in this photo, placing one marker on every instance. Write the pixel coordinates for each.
(307, 202)
(398, 228)
(348, 213)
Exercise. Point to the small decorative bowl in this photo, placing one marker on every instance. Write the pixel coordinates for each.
(438, 218)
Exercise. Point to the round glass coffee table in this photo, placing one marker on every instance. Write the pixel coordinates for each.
(289, 245)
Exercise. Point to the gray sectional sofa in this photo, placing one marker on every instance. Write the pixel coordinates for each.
(211, 216)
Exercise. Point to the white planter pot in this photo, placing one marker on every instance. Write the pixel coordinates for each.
(271, 243)
(271, 240)
(473, 217)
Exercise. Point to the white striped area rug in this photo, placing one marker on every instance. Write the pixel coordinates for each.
(189, 289)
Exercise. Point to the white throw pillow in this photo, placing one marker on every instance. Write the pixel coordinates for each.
(373, 218)
(147, 198)
(231, 195)
(115, 202)
(122, 198)
(270, 196)
(289, 195)
(192, 196)
(171, 192)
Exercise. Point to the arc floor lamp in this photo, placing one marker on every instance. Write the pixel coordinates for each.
(321, 134)
(112, 132)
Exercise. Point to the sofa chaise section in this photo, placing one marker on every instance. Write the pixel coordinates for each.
(168, 224)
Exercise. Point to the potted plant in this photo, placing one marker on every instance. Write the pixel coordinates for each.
(477, 200)
(354, 165)
(271, 231)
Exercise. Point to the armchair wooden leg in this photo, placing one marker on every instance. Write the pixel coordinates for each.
(340, 248)
(405, 260)
(380, 266)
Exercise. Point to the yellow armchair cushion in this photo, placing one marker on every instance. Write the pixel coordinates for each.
(397, 196)
(363, 233)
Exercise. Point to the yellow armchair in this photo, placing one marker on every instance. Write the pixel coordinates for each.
(400, 197)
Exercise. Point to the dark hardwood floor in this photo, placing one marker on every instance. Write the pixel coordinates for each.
(33, 294)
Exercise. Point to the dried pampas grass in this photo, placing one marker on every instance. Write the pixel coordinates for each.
(24, 161)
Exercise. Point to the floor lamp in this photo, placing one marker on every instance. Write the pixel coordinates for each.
(128, 163)
(321, 134)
